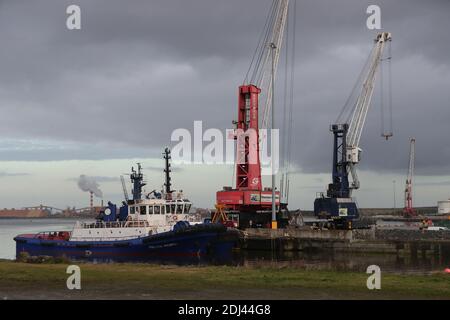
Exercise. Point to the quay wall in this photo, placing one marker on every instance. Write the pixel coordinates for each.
(400, 242)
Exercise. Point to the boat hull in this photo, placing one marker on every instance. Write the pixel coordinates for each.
(194, 243)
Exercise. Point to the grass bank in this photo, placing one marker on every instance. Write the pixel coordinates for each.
(144, 281)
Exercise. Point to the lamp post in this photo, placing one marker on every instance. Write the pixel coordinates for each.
(395, 202)
(274, 213)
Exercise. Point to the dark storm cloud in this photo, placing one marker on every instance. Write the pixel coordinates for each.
(138, 70)
(13, 174)
(32, 150)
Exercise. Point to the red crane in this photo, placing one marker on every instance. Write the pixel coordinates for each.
(249, 204)
(409, 211)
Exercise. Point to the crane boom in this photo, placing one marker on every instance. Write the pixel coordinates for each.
(358, 117)
(273, 46)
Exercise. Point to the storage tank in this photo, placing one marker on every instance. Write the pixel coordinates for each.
(444, 207)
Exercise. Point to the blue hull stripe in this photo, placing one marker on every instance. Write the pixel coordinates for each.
(169, 244)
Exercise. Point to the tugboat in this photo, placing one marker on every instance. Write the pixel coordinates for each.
(156, 227)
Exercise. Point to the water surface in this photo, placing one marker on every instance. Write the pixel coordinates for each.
(9, 228)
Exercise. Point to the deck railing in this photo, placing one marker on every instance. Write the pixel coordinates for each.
(112, 224)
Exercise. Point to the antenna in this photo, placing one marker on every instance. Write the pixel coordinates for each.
(167, 184)
(137, 180)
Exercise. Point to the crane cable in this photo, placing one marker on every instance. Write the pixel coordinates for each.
(291, 102)
(288, 133)
(352, 99)
(347, 110)
(285, 101)
(257, 48)
(386, 133)
(255, 65)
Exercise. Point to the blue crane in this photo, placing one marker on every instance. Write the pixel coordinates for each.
(338, 205)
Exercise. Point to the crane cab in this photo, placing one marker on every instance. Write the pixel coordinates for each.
(354, 154)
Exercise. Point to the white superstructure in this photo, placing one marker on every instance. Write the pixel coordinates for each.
(155, 213)
(145, 217)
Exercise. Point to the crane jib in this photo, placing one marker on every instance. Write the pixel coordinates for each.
(359, 115)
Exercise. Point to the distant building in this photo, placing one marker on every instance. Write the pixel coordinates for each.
(23, 213)
(444, 207)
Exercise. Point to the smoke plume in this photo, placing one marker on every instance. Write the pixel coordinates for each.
(89, 184)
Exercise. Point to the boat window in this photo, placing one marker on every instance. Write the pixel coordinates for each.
(163, 209)
(137, 210)
(150, 209)
(180, 208)
(172, 208)
(157, 209)
(167, 208)
(187, 207)
(132, 210)
(143, 209)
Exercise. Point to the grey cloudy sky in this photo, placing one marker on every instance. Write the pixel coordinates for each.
(139, 69)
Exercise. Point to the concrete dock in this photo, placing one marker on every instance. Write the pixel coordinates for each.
(391, 241)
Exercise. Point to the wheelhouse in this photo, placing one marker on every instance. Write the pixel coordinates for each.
(155, 207)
